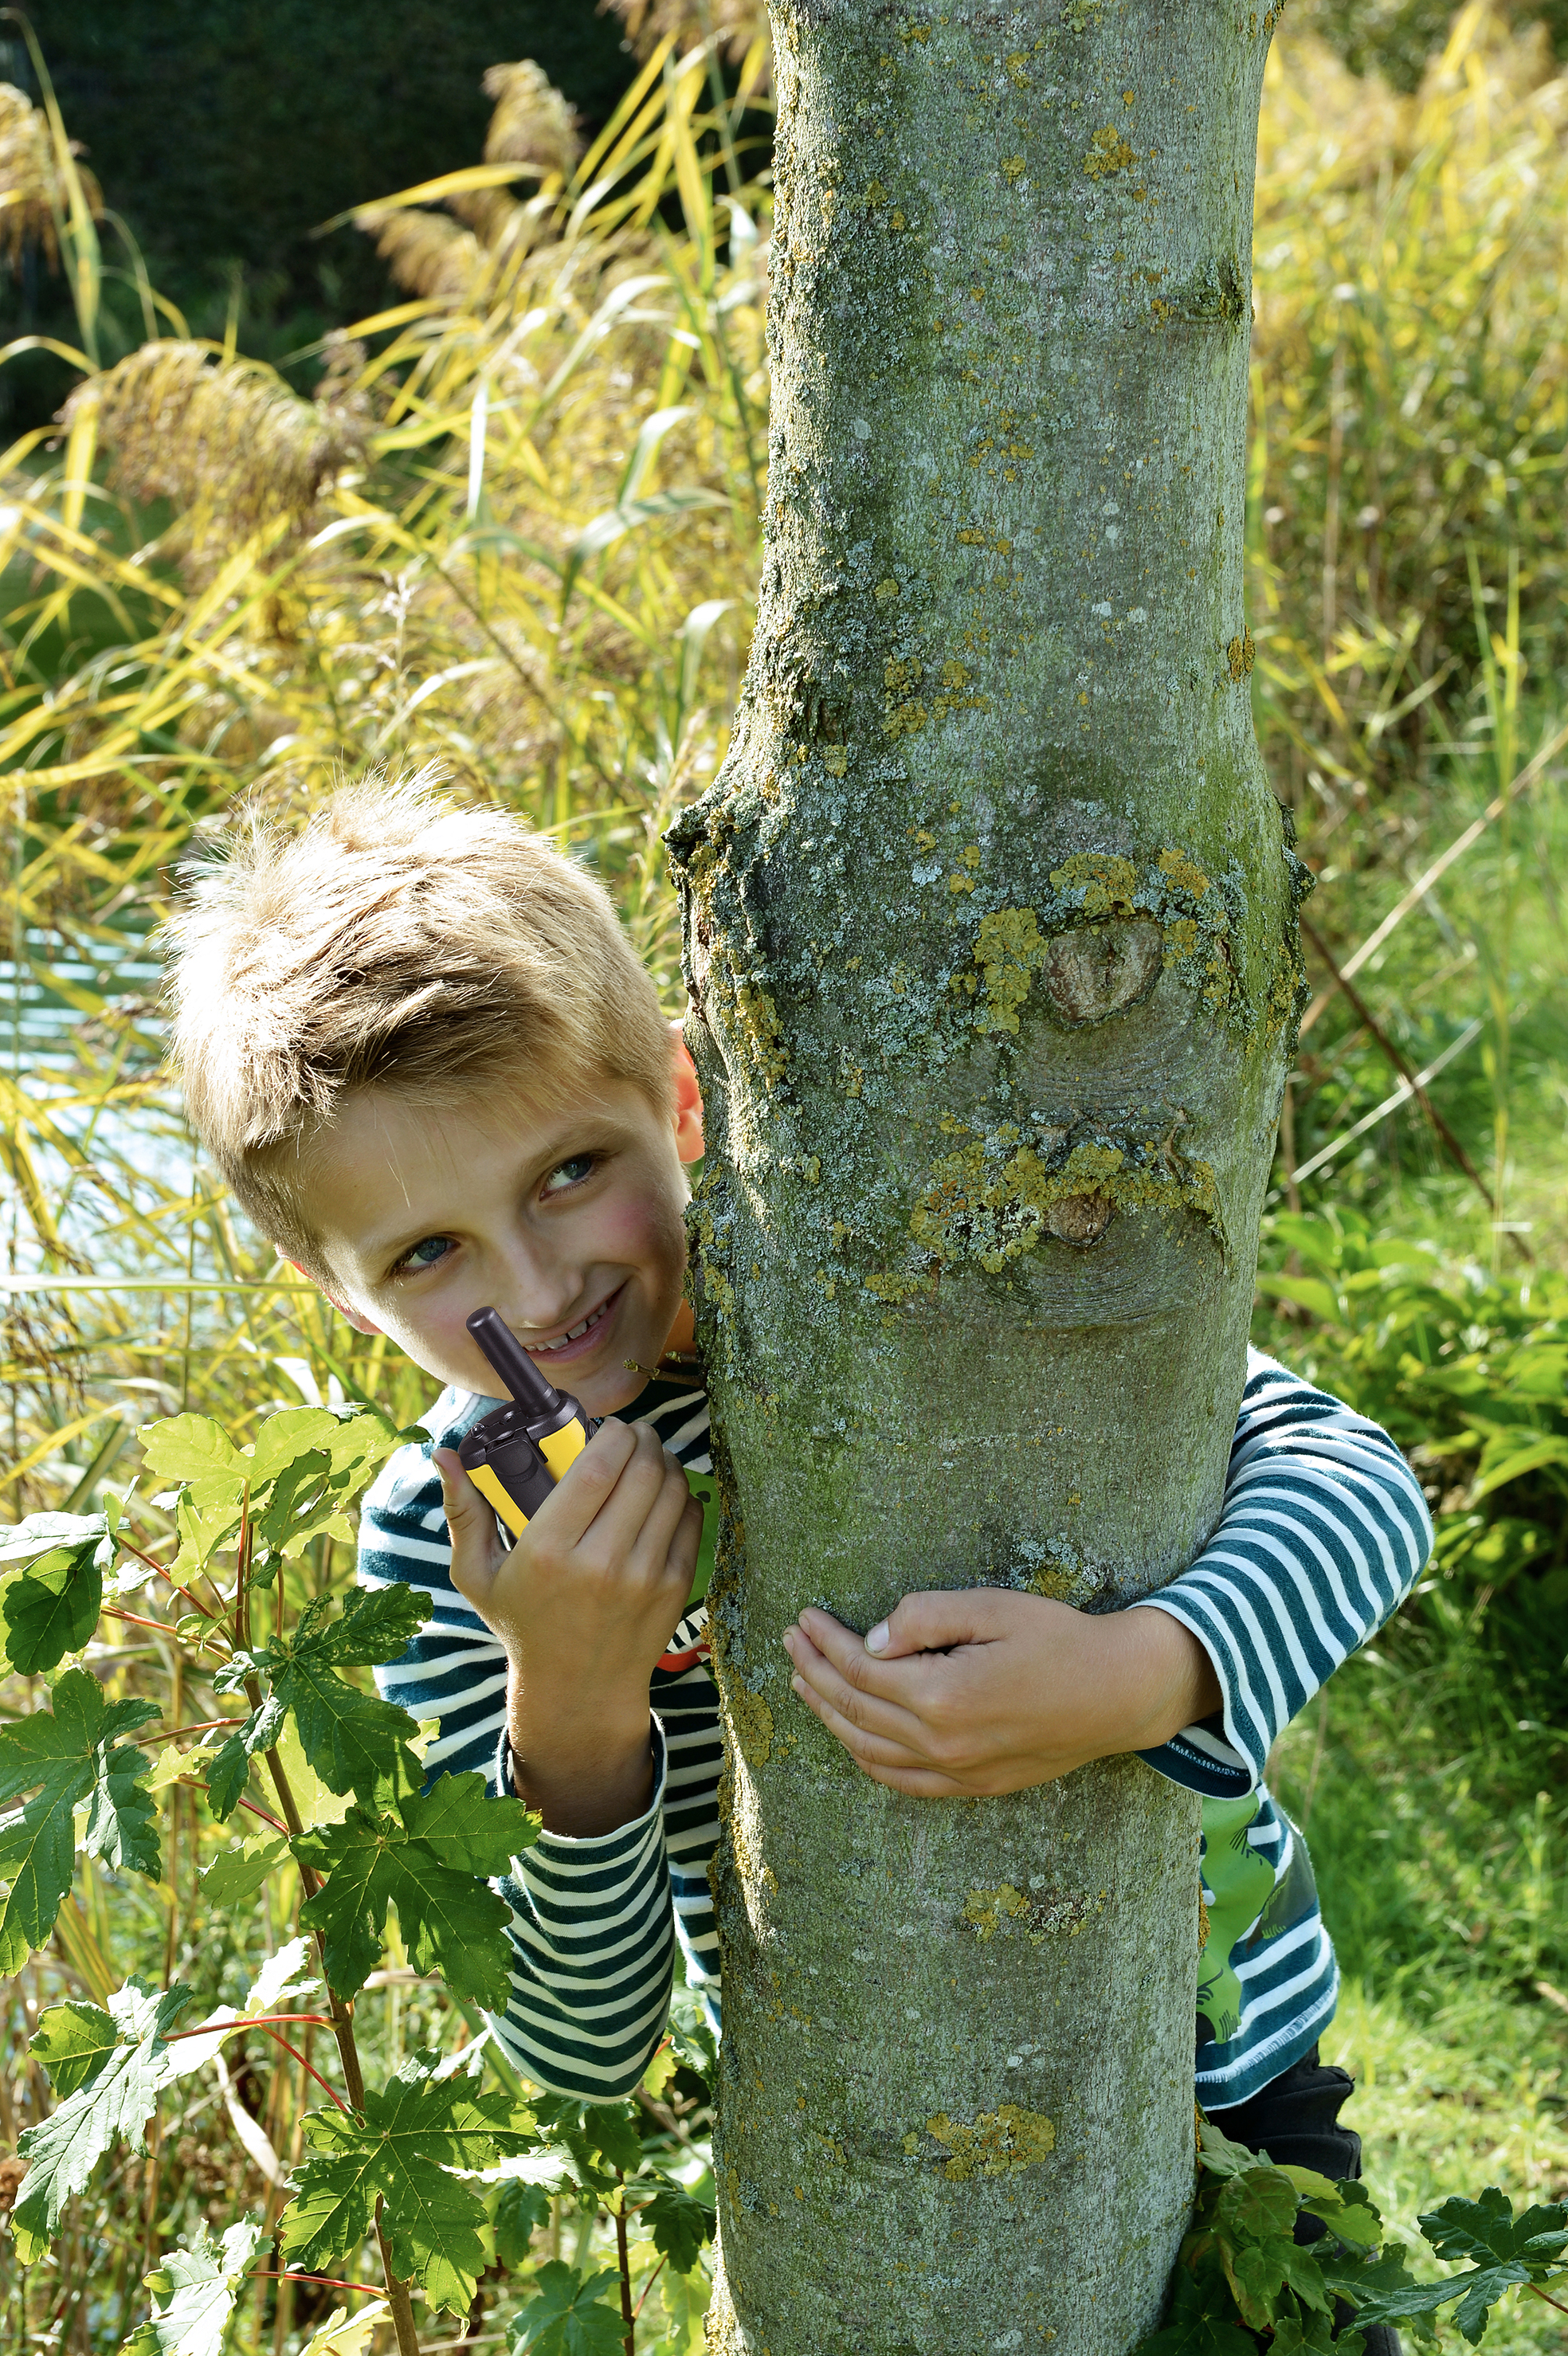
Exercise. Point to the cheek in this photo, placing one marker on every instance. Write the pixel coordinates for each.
(645, 1230)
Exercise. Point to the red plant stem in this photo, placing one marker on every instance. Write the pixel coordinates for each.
(247, 2021)
(270, 2274)
(1557, 2302)
(170, 1733)
(304, 2065)
(277, 1824)
(136, 1619)
(647, 2285)
(627, 2316)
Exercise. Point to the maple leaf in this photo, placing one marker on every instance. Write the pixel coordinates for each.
(398, 2150)
(1202, 2319)
(349, 1738)
(567, 2315)
(519, 2209)
(231, 1769)
(115, 2098)
(52, 1607)
(194, 2292)
(680, 2224)
(63, 1758)
(425, 1861)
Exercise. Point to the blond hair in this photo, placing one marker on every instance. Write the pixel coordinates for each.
(401, 942)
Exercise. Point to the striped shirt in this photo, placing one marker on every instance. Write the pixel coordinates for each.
(1321, 1532)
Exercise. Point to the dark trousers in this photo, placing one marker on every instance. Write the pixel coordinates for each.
(1295, 2119)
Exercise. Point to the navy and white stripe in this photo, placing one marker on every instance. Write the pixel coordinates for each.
(1322, 1530)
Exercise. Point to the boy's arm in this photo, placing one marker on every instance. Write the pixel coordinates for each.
(592, 1930)
(1322, 1533)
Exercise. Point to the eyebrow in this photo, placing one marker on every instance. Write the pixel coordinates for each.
(384, 1252)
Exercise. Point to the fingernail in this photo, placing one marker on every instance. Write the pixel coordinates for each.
(800, 1685)
(878, 1638)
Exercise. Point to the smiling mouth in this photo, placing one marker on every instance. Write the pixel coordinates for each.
(575, 1333)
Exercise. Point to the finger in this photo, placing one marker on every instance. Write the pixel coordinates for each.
(652, 1559)
(876, 1713)
(905, 1683)
(586, 1488)
(476, 1549)
(867, 1747)
(934, 1621)
(613, 1537)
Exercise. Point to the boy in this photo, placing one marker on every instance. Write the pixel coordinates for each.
(416, 1045)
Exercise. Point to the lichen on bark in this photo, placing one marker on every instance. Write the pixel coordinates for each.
(991, 942)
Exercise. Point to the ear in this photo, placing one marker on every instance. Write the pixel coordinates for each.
(360, 1324)
(688, 1100)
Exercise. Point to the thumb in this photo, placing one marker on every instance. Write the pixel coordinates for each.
(932, 1622)
(471, 1524)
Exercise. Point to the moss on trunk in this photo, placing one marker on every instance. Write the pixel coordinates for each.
(990, 937)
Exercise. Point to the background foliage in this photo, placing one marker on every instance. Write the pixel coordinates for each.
(515, 532)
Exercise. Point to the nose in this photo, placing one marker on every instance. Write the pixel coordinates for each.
(540, 1288)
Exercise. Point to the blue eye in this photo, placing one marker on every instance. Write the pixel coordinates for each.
(427, 1252)
(569, 1173)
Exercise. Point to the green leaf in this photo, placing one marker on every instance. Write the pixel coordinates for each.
(1306, 1291)
(680, 2224)
(73, 2041)
(116, 2100)
(520, 2209)
(233, 1878)
(349, 1736)
(194, 2292)
(426, 1865)
(567, 2315)
(1382, 2287)
(1202, 2319)
(64, 1758)
(52, 1609)
(204, 1518)
(611, 2130)
(43, 1533)
(230, 1768)
(1348, 2209)
(192, 1447)
(398, 2150)
(287, 1441)
(1487, 2229)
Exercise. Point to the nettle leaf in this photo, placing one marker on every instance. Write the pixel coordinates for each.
(521, 2208)
(117, 2099)
(398, 2150)
(194, 2292)
(52, 1607)
(680, 2224)
(63, 1758)
(568, 2316)
(424, 1859)
(231, 1769)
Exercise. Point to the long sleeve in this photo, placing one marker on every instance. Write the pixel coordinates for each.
(1322, 1532)
(594, 1922)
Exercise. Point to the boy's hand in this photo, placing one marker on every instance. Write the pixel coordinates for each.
(986, 1691)
(585, 1603)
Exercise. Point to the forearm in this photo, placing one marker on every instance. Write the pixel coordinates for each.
(1158, 1679)
(586, 1766)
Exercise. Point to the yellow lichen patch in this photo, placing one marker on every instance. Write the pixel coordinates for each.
(1240, 654)
(1107, 881)
(998, 2143)
(985, 1909)
(1108, 153)
(835, 759)
(1181, 940)
(885, 590)
(1012, 166)
(758, 1020)
(993, 1211)
(1015, 66)
(888, 1285)
(751, 1722)
(1178, 869)
(1008, 949)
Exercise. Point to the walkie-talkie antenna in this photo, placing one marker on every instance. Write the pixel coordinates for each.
(528, 1386)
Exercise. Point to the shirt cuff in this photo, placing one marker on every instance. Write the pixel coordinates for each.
(1209, 1756)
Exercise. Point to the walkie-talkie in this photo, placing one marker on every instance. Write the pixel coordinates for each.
(515, 1455)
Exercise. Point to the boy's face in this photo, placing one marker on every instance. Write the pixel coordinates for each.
(567, 1220)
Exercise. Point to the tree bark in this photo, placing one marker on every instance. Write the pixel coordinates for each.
(991, 937)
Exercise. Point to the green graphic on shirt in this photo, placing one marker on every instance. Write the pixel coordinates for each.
(1237, 1884)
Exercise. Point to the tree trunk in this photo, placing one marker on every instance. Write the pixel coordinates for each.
(990, 930)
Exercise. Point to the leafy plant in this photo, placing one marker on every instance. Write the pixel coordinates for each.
(1241, 2271)
(334, 1774)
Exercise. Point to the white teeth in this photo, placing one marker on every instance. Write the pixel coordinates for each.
(541, 1348)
